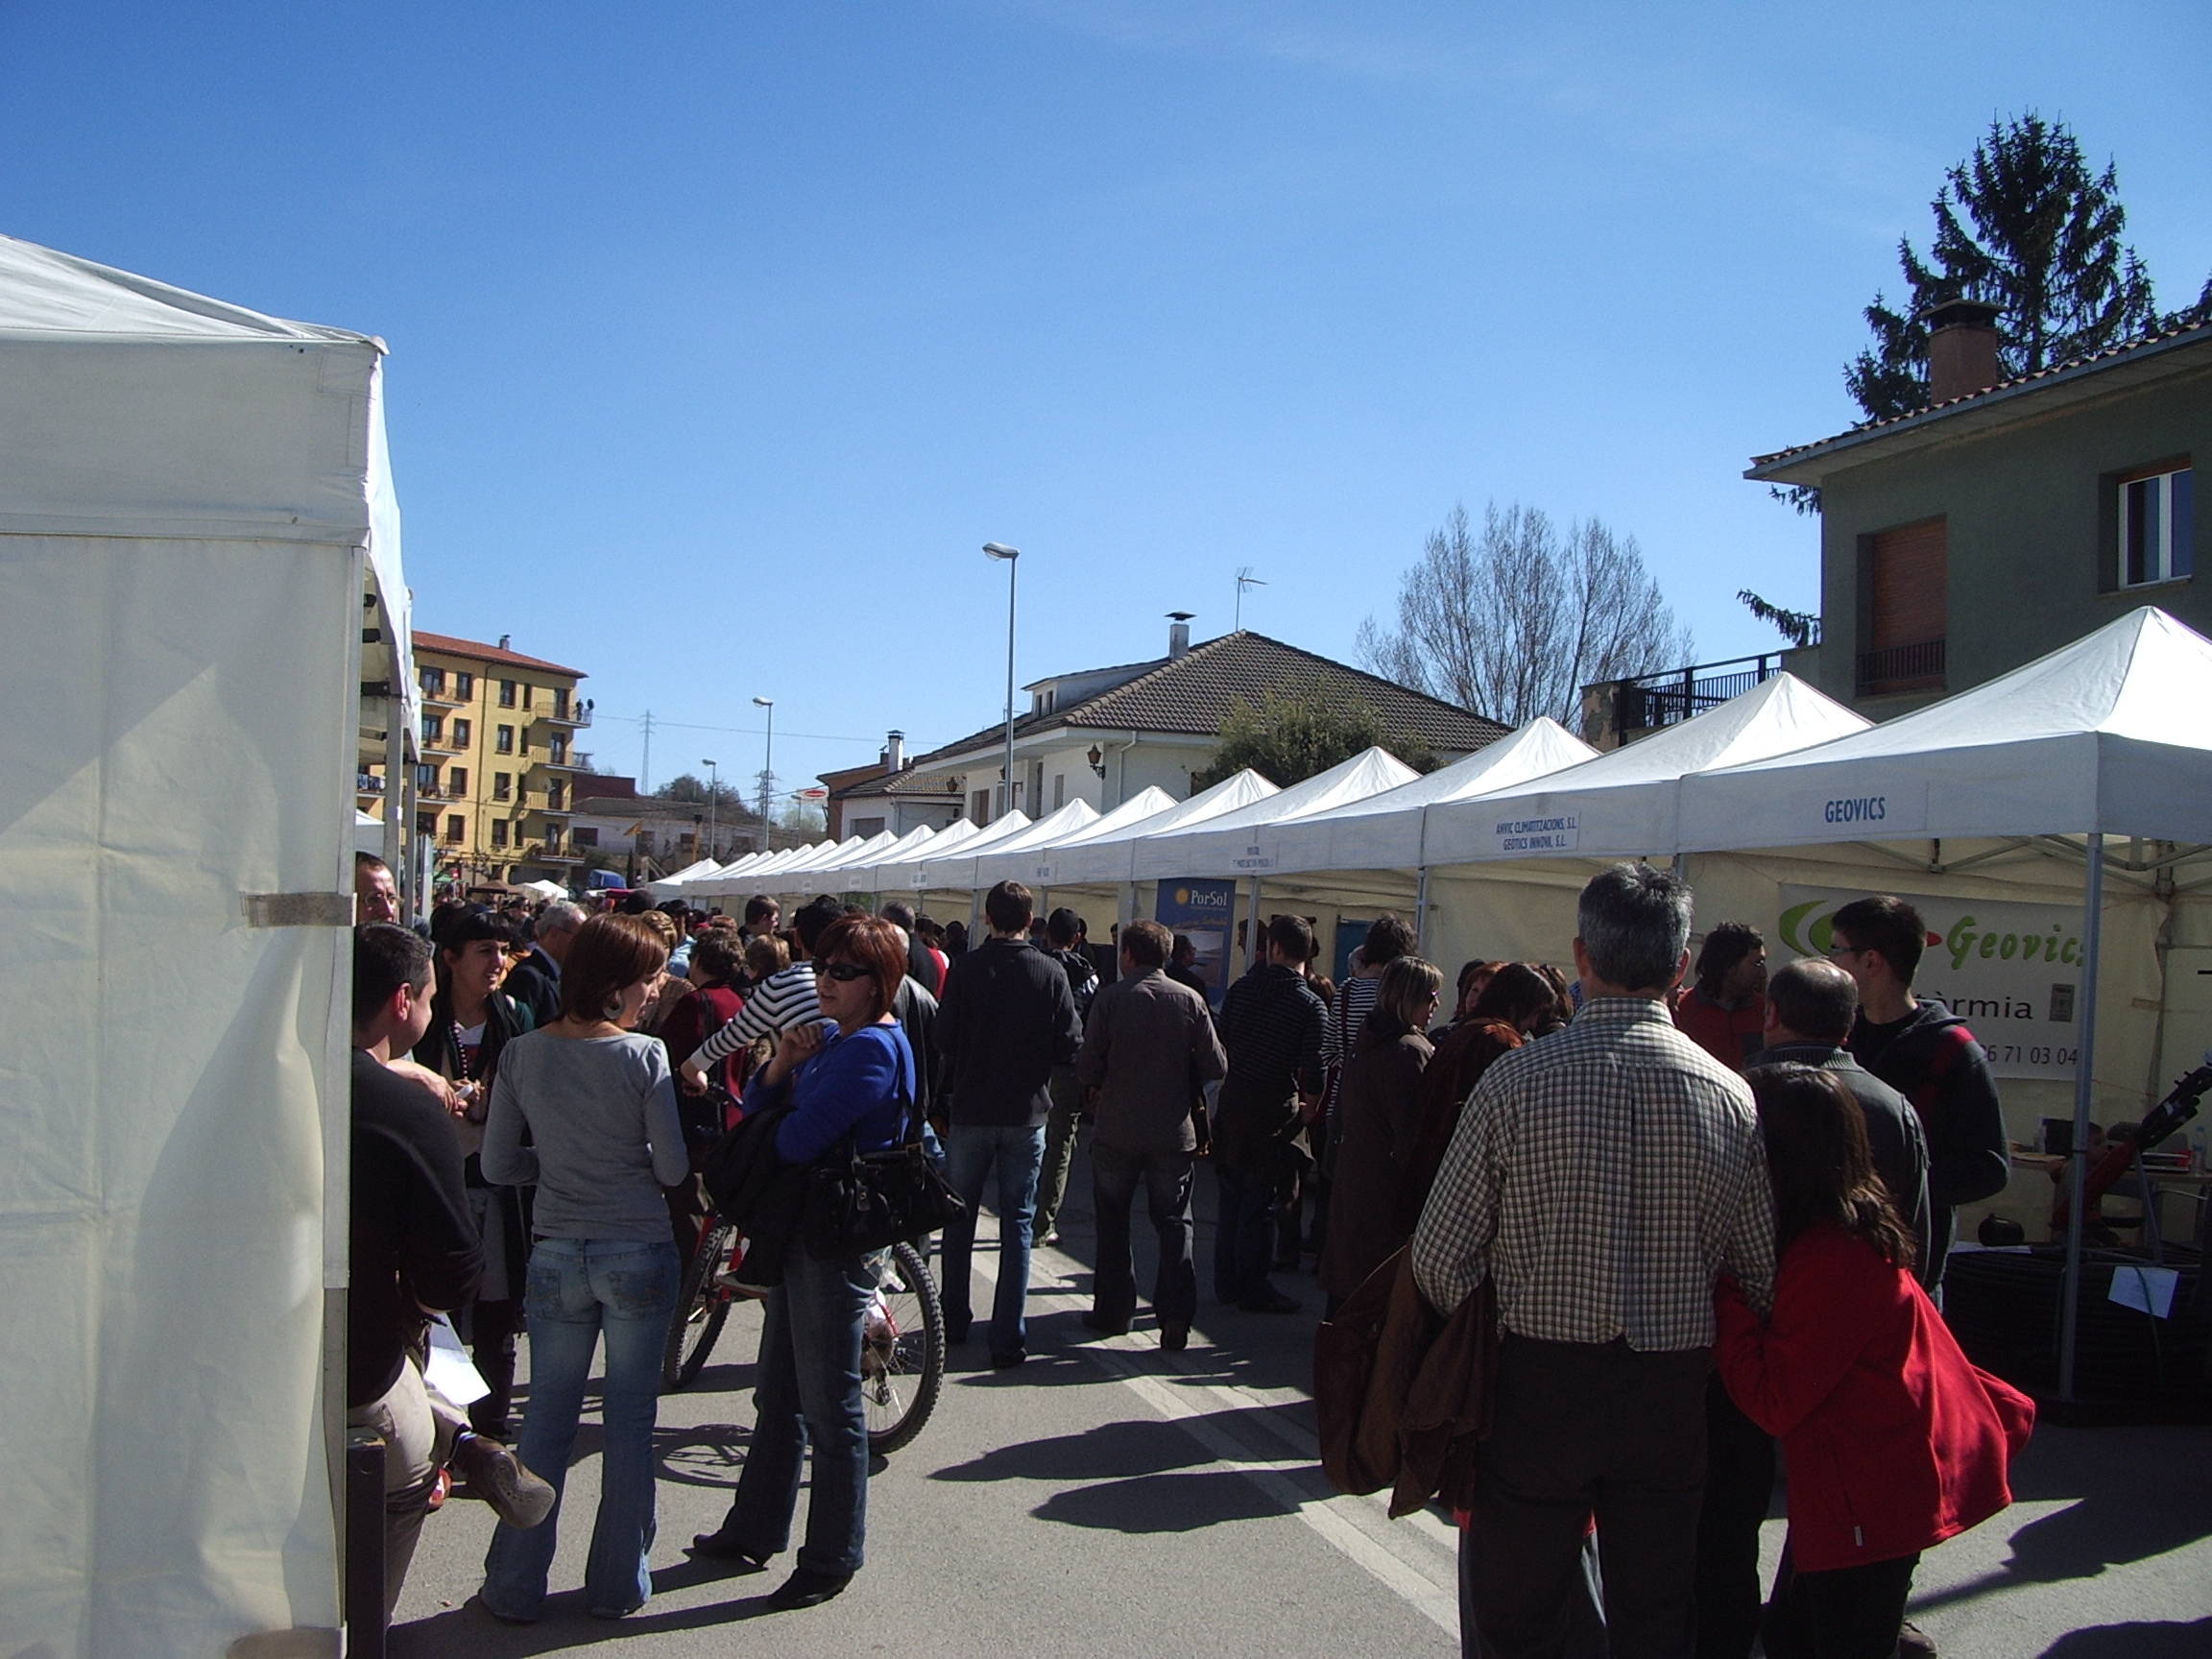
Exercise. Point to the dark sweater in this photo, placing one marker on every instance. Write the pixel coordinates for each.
(1272, 1025)
(411, 1240)
(1006, 1019)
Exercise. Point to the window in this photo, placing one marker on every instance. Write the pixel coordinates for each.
(502, 785)
(503, 740)
(427, 779)
(463, 686)
(456, 827)
(981, 810)
(559, 704)
(1059, 790)
(462, 730)
(506, 694)
(645, 842)
(585, 835)
(426, 824)
(552, 837)
(498, 832)
(556, 748)
(2158, 528)
(1905, 608)
(527, 689)
(433, 728)
(457, 779)
(683, 842)
(433, 682)
(865, 827)
(556, 793)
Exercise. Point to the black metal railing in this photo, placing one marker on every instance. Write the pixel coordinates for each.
(1650, 701)
(1902, 667)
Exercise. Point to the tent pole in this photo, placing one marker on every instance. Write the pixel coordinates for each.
(2084, 1091)
(1421, 914)
(1255, 951)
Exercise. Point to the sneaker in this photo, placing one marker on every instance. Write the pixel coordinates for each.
(496, 1475)
(1915, 1643)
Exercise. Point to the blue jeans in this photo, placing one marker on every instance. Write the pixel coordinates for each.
(973, 1151)
(1244, 1228)
(1166, 1178)
(807, 1392)
(577, 1288)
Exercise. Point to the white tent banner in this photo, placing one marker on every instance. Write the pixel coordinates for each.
(2012, 972)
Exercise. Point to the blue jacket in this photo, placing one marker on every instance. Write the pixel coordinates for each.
(861, 1085)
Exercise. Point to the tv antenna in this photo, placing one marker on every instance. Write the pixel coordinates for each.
(1244, 579)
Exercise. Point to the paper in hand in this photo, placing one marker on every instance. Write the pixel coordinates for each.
(2147, 1289)
(451, 1371)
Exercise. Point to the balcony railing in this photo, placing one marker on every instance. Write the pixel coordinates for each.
(1915, 668)
(539, 853)
(576, 715)
(367, 784)
(1651, 701)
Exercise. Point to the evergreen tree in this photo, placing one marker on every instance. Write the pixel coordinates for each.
(1294, 733)
(2023, 224)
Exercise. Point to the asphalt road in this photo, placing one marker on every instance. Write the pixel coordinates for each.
(1110, 1499)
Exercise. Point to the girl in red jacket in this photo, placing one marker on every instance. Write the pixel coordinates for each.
(1894, 1440)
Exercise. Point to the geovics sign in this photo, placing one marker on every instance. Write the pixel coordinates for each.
(2013, 971)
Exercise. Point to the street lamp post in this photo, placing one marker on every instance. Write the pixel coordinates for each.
(713, 795)
(767, 766)
(1009, 556)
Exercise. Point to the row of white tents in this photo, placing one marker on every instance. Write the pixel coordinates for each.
(2083, 778)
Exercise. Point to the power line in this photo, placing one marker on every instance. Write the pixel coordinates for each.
(654, 720)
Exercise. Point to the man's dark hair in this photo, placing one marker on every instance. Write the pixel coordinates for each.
(1010, 905)
(1147, 944)
(719, 954)
(758, 908)
(386, 957)
(813, 919)
(368, 861)
(1516, 992)
(1290, 935)
(1813, 999)
(635, 904)
(1887, 924)
(1062, 927)
(1387, 939)
(1635, 924)
(675, 907)
(1182, 944)
(1727, 945)
(899, 913)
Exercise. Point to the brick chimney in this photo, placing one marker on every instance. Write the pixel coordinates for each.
(1179, 632)
(895, 753)
(1962, 349)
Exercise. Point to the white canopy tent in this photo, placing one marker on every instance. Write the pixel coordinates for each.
(1034, 864)
(906, 877)
(202, 605)
(671, 885)
(829, 876)
(909, 853)
(963, 870)
(1244, 841)
(1103, 857)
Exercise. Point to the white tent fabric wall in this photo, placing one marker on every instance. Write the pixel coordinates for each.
(192, 500)
(964, 869)
(1108, 859)
(1244, 841)
(835, 874)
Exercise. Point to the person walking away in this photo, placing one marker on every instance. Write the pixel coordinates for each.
(852, 1077)
(1182, 968)
(780, 1002)
(922, 963)
(471, 1022)
(1063, 943)
(1498, 1019)
(1600, 1178)
(1726, 1012)
(534, 981)
(710, 1004)
(1378, 1117)
(586, 1111)
(412, 1246)
(1810, 1007)
(1895, 1441)
(1149, 1050)
(932, 937)
(1925, 1053)
(1272, 1027)
(1007, 1019)
(1388, 939)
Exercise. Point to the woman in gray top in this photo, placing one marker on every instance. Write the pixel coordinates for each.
(586, 1110)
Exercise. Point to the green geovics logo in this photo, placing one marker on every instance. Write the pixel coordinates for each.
(1810, 933)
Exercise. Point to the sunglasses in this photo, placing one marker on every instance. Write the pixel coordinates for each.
(844, 973)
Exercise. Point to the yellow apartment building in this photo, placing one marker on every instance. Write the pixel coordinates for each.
(495, 788)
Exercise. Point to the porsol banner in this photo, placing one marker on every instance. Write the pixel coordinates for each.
(2010, 970)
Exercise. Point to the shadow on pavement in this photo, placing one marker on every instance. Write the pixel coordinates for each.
(704, 1455)
(2135, 1642)
(1110, 1450)
(1180, 1502)
(565, 1624)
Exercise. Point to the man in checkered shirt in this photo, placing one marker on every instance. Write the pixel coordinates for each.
(1602, 1177)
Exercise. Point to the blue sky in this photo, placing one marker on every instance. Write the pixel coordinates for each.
(724, 335)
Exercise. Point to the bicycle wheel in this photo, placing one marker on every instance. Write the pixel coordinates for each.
(902, 1353)
(702, 1306)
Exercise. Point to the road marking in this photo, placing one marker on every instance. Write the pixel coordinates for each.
(1358, 1528)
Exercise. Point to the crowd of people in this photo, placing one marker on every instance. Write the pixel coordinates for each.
(1712, 1215)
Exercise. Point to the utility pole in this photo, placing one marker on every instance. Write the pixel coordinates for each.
(645, 765)
(1010, 557)
(713, 799)
(767, 768)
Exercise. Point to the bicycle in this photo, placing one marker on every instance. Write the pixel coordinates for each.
(901, 1343)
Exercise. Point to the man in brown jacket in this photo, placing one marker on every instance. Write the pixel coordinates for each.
(1147, 1050)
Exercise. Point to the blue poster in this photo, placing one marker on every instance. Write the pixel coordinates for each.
(1202, 911)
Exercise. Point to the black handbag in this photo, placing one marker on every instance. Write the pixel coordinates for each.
(870, 1200)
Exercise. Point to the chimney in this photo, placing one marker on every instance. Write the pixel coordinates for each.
(503, 641)
(1179, 632)
(1962, 349)
(895, 753)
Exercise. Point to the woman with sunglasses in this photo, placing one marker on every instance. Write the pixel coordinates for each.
(850, 1076)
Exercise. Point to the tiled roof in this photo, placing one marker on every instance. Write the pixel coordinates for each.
(480, 652)
(2143, 344)
(1191, 694)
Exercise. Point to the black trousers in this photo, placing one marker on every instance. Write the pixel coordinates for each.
(1167, 1178)
(1586, 1429)
(1739, 1486)
(1850, 1612)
